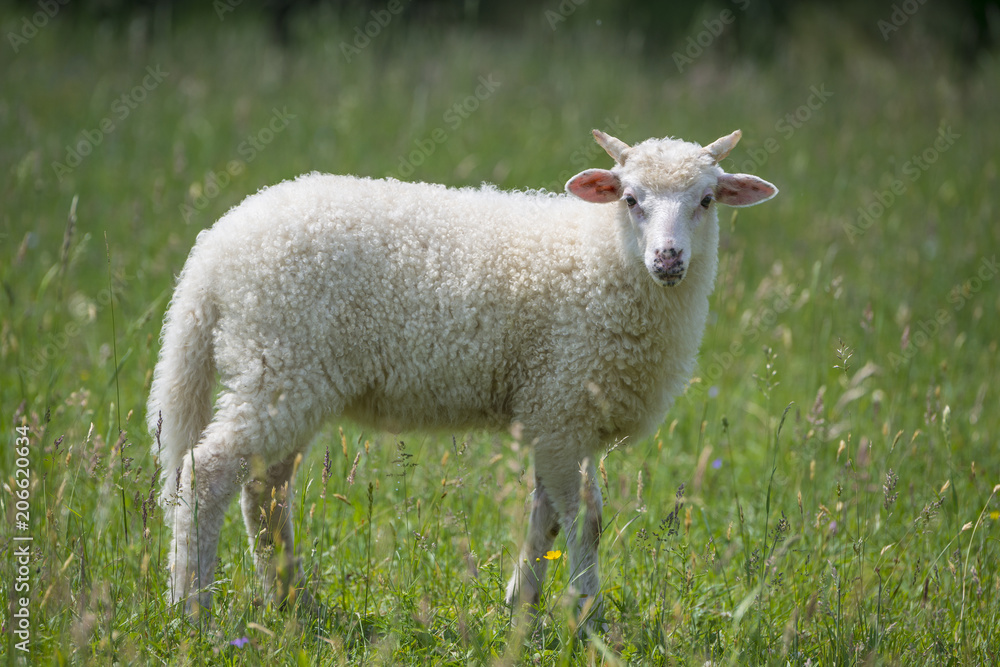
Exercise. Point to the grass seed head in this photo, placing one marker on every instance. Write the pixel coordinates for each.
(889, 490)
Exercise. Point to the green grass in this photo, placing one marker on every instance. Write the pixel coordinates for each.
(837, 448)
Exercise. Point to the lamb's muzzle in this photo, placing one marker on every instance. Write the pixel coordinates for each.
(668, 266)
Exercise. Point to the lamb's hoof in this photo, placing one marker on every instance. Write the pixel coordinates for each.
(196, 604)
(302, 602)
(590, 614)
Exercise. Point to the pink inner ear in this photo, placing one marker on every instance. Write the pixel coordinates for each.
(598, 186)
(743, 190)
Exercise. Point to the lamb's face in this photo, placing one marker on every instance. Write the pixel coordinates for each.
(668, 190)
(668, 227)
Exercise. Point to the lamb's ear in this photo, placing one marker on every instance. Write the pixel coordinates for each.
(743, 190)
(598, 186)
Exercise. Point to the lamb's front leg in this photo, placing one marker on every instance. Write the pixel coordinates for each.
(529, 572)
(581, 521)
(571, 498)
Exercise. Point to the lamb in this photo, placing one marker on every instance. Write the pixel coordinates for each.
(575, 316)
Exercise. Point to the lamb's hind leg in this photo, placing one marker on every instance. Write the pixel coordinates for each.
(267, 504)
(529, 571)
(208, 481)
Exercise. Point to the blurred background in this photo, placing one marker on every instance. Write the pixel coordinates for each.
(864, 296)
(150, 119)
(964, 26)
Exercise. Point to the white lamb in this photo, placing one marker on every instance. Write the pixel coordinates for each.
(409, 305)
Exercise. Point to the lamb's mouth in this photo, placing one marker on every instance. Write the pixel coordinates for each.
(670, 278)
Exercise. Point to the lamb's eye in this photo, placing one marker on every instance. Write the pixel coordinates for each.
(706, 200)
(630, 200)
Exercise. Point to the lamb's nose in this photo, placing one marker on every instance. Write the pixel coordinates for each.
(668, 265)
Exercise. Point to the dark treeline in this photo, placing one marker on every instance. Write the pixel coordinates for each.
(966, 27)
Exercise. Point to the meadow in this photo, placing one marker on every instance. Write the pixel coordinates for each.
(824, 493)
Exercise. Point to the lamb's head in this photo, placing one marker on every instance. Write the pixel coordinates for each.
(667, 190)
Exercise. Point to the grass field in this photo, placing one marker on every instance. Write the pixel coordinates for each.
(824, 492)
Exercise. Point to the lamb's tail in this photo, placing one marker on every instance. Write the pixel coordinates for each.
(180, 400)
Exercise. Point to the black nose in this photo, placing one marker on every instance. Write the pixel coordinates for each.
(668, 265)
